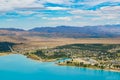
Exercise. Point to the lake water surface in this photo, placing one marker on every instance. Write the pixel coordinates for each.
(18, 67)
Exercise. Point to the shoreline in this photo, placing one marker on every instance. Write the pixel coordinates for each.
(112, 70)
(4, 54)
(53, 60)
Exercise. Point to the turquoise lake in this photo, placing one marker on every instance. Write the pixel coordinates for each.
(18, 67)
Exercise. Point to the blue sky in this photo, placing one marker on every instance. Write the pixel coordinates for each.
(27, 14)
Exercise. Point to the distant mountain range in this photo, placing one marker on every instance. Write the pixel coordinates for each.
(12, 29)
(102, 31)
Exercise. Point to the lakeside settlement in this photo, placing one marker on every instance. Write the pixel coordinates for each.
(95, 56)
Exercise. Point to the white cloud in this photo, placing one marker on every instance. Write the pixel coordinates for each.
(95, 2)
(111, 9)
(84, 12)
(28, 7)
(6, 5)
(58, 18)
(110, 12)
(92, 2)
(107, 12)
(25, 12)
(57, 8)
(115, 0)
(57, 1)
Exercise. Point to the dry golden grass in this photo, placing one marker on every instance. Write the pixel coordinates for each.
(32, 43)
(52, 42)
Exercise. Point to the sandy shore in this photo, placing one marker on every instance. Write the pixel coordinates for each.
(52, 60)
(113, 70)
(3, 54)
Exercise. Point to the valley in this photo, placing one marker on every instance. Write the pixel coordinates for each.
(81, 45)
(105, 51)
